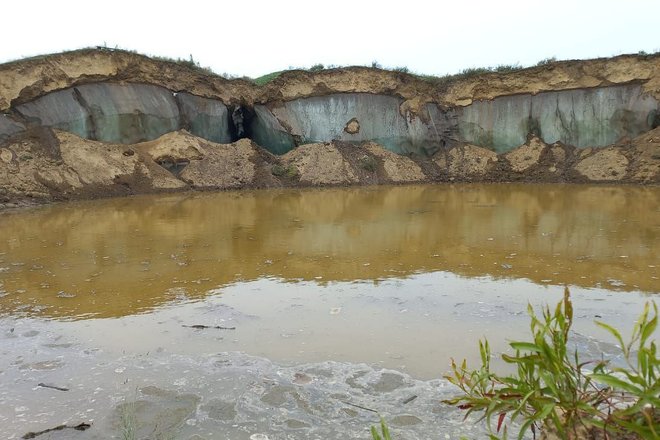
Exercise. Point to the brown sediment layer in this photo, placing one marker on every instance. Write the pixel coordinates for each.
(76, 168)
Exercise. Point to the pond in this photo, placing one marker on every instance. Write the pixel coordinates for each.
(328, 301)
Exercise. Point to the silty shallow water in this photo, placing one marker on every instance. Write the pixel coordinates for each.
(337, 296)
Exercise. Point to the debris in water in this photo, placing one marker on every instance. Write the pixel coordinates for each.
(80, 427)
(302, 379)
(202, 327)
(43, 385)
(616, 283)
(358, 406)
(63, 294)
(409, 399)
(335, 310)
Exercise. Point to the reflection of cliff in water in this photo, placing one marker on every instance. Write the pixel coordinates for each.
(123, 256)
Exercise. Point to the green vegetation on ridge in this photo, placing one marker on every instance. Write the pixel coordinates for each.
(440, 80)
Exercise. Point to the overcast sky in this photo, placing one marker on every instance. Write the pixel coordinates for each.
(253, 38)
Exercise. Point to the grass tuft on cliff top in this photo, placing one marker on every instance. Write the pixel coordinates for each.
(437, 80)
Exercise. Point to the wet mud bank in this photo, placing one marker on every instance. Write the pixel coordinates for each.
(97, 123)
(198, 389)
(215, 396)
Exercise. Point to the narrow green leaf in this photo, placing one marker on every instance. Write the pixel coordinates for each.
(510, 359)
(386, 431)
(568, 306)
(642, 431)
(616, 383)
(525, 346)
(648, 330)
(612, 331)
(545, 411)
(632, 377)
(549, 382)
(524, 428)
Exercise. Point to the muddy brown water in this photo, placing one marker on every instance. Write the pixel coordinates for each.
(386, 283)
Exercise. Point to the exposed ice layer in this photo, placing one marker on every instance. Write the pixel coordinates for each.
(203, 117)
(8, 127)
(582, 118)
(61, 110)
(129, 113)
(267, 131)
(351, 117)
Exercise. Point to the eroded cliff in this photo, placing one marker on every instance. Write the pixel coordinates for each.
(97, 122)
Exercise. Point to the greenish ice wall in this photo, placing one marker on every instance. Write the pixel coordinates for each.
(349, 117)
(130, 113)
(582, 118)
(127, 113)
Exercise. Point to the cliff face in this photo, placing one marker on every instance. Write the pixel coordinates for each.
(589, 120)
(582, 118)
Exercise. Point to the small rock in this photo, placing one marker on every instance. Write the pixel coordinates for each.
(6, 155)
(302, 379)
(352, 126)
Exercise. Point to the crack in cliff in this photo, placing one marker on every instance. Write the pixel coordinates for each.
(90, 119)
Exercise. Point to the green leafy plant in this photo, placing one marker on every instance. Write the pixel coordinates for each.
(473, 71)
(265, 79)
(557, 392)
(368, 163)
(637, 385)
(191, 63)
(504, 68)
(290, 171)
(384, 431)
(546, 61)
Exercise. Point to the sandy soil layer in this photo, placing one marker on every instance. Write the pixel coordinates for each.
(47, 165)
